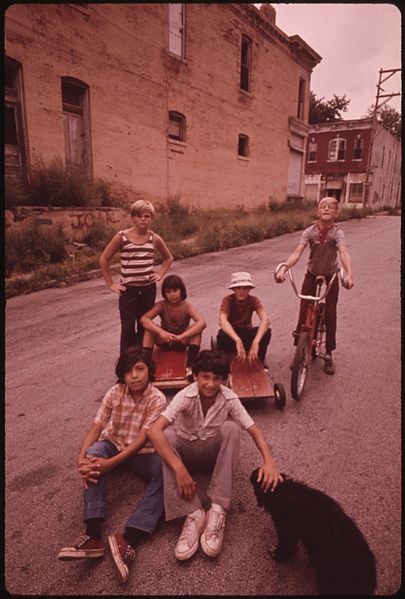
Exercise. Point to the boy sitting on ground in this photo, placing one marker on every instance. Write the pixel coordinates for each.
(206, 419)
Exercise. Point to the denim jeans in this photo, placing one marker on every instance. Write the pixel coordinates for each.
(309, 288)
(133, 303)
(146, 465)
(226, 343)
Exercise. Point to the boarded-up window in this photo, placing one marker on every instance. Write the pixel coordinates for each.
(177, 126)
(176, 29)
(243, 146)
(76, 123)
(14, 144)
(301, 99)
(246, 62)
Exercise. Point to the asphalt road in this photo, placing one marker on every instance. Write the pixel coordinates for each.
(343, 437)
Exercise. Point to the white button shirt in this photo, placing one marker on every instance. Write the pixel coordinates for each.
(189, 422)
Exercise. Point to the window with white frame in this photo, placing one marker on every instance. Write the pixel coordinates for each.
(337, 149)
(176, 29)
(245, 62)
(358, 148)
(356, 192)
(243, 146)
(312, 151)
(177, 126)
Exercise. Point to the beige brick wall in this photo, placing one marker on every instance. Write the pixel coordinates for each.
(120, 52)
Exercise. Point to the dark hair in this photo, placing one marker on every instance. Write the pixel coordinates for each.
(128, 358)
(211, 361)
(174, 282)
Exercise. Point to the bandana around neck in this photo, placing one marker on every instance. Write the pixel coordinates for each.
(323, 233)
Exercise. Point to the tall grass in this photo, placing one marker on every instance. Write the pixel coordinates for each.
(40, 250)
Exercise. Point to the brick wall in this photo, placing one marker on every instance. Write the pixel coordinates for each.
(120, 52)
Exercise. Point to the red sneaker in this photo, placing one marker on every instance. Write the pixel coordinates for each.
(122, 553)
(83, 547)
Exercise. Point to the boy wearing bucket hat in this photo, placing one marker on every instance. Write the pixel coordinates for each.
(237, 332)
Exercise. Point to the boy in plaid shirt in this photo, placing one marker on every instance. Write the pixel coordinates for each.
(117, 435)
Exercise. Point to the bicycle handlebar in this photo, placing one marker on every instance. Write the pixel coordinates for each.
(309, 297)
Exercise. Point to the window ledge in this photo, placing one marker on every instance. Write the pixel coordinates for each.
(244, 92)
(177, 58)
(177, 142)
(244, 158)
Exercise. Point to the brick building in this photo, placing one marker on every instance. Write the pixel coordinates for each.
(357, 161)
(206, 103)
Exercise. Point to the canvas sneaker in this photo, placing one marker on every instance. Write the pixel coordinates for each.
(188, 541)
(213, 535)
(122, 553)
(83, 547)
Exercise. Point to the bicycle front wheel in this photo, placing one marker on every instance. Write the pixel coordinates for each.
(300, 367)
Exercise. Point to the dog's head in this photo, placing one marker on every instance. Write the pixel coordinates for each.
(262, 497)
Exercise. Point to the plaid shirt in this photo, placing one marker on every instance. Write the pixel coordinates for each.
(122, 419)
(189, 422)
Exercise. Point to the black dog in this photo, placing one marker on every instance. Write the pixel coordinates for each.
(337, 550)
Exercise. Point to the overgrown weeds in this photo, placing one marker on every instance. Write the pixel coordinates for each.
(40, 250)
(54, 184)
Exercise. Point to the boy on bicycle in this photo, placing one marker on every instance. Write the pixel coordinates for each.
(326, 240)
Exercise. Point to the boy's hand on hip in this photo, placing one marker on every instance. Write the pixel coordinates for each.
(348, 282)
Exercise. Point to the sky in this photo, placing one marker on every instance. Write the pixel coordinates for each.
(355, 42)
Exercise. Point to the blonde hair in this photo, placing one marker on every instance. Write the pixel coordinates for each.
(328, 198)
(142, 206)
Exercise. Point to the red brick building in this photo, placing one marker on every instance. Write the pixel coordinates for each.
(356, 161)
(206, 103)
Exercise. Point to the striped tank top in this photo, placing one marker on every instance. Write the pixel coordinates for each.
(136, 261)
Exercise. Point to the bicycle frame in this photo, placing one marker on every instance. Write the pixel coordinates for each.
(309, 340)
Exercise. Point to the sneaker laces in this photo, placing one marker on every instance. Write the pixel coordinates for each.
(215, 528)
(188, 534)
(81, 540)
(129, 553)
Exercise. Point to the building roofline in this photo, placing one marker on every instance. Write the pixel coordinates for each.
(295, 45)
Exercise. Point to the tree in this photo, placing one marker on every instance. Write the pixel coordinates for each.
(389, 118)
(321, 111)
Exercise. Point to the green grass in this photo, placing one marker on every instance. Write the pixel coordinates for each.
(36, 258)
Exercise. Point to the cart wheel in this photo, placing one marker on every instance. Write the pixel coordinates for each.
(214, 345)
(279, 395)
(300, 367)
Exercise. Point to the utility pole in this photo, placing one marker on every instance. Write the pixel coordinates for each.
(388, 73)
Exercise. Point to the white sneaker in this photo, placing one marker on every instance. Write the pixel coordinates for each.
(188, 541)
(213, 536)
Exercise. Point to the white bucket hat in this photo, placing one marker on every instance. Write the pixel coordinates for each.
(241, 279)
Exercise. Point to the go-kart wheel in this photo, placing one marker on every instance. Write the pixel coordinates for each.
(279, 396)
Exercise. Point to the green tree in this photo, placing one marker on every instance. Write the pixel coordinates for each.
(389, 118)
(321, 111)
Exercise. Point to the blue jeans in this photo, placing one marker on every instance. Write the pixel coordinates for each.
(147, 465)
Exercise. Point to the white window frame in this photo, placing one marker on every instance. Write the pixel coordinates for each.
(358, 147)
(336, 147)
(177, 30)
(312, 149)
(180, 120)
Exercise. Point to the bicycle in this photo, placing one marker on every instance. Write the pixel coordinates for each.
(311, 337)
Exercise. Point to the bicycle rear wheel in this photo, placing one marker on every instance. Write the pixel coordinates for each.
(300, 367)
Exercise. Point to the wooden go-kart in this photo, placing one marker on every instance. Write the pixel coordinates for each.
(170, 368)
(252, 381)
